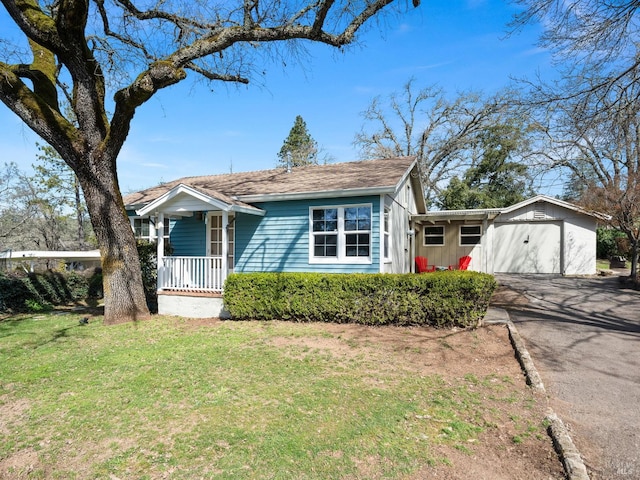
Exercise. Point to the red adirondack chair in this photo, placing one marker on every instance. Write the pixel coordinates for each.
(422, 265)
(463, 263)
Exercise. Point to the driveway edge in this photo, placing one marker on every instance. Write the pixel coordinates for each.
(569, 455)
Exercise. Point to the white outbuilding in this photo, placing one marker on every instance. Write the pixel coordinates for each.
(539, 235)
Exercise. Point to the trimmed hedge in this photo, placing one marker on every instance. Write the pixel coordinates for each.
(21, 292)
(439, 299)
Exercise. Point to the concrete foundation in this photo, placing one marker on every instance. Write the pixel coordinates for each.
(191, 305)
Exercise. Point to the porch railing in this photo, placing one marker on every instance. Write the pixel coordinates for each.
(191, 274)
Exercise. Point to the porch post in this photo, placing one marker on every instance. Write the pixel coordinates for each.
(160, 245)
(225, 246)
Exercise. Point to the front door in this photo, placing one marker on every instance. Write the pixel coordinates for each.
(214, 247)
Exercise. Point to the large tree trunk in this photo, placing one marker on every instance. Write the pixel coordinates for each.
(124, 298)
(634, 259)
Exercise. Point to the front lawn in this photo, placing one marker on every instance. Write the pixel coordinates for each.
(184, 399)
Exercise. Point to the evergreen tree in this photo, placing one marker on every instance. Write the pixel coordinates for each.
(495, 181)
(299, 148)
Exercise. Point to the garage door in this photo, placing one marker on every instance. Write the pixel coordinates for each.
(532, 247)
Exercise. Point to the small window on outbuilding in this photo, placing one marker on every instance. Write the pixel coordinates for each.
(433, 235)
(470, 234)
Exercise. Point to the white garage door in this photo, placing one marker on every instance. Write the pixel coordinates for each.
(532, 247)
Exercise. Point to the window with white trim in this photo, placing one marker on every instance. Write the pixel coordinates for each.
(340, 234)
(142, 228)
(145, 229)
(215, 244)
(386, 237)
(470, 234)
(433, 236)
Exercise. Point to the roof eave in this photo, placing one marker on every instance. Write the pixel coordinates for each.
(156, 205)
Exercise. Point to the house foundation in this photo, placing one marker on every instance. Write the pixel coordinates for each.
(192, 304)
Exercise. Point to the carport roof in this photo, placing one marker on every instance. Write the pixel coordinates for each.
(491, 213)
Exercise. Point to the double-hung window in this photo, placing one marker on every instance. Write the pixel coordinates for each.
(141, 228)
(470, 234)
(433, 235)
(340, 234)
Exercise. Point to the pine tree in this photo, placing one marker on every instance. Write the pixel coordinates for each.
(299, 148)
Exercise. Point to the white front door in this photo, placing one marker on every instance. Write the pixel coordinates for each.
(214, 245)
(528, 247)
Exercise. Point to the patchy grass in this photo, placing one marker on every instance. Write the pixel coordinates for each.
(179, 399)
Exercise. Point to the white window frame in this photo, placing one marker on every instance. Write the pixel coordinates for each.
(231, 237)
(152, 228)
(469, 235)
(341, 233)
(386, 233)
(153, 231)
(425, 235)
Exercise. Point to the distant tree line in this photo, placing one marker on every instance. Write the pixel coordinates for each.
(43, 210)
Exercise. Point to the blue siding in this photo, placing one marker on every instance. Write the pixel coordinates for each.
(279, 241)
(189, 237)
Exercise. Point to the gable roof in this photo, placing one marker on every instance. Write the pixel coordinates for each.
(366, 177)
(556, 201)
(491, 213)
(216, 200)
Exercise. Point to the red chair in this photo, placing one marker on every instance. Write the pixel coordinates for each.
(422, 265)
(463, 263)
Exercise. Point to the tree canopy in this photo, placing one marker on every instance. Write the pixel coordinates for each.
(444, 132)
(496, 180)
(107, 58)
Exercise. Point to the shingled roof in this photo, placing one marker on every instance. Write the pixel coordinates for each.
(349, 177)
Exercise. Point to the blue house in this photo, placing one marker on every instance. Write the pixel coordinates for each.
(339, 218)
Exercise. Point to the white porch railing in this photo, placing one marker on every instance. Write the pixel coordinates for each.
(191, 274)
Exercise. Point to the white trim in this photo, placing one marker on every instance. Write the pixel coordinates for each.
(160, 248)
(341, 258)
(225, 229)
(384, 259)
(478, 243)
(213, 202)
(555, 201)
(424, 236)
(153, 233)
(225, 244)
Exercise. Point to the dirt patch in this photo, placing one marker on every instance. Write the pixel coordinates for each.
(504, 451)
(513, 445)
(499, 453)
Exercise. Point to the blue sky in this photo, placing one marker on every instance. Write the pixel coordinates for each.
(190, 129)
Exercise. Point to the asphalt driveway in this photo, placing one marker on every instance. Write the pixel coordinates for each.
(584, 337)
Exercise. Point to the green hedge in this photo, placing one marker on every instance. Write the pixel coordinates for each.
(440, 299)
(21, 292)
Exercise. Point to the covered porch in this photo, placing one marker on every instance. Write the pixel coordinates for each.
(212, 218)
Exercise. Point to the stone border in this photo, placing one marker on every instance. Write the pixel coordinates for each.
(569, 455)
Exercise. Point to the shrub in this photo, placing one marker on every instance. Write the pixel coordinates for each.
(36, 292)
(14, 293)
(611, 243)
(148, 254)
(441, 299)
